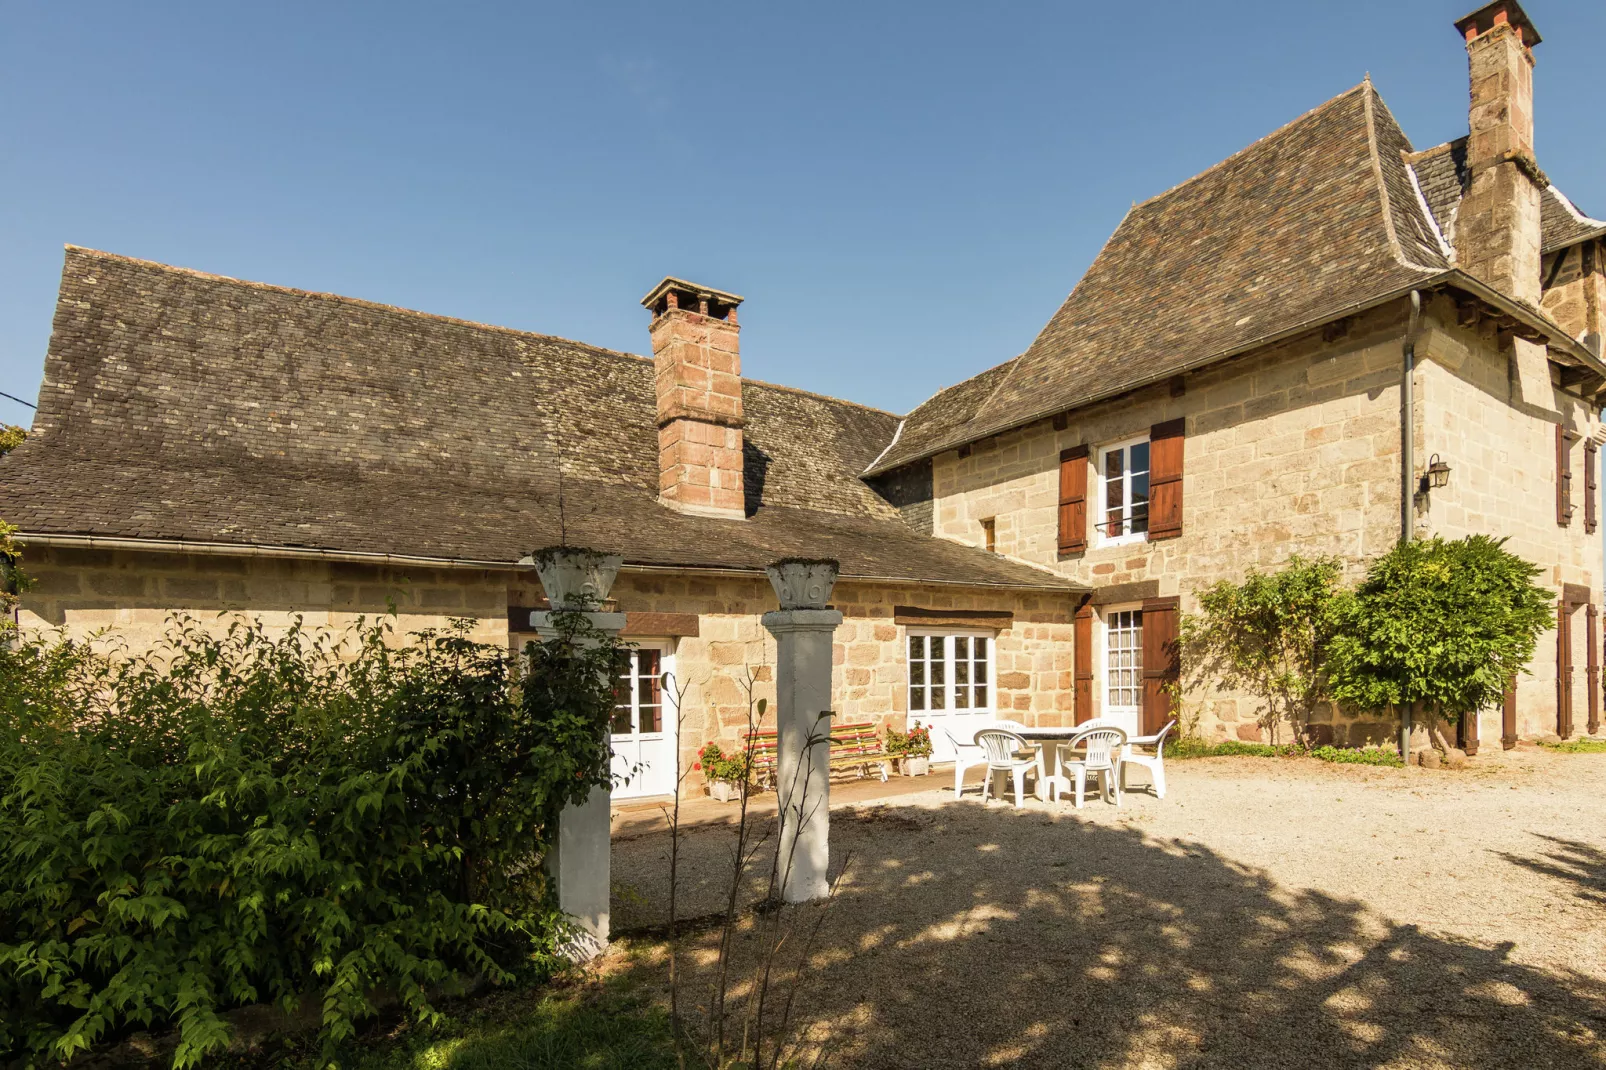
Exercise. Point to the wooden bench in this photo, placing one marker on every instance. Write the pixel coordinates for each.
(853, 746)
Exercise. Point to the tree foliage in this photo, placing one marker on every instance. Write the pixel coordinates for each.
(13, 581)
(1445, 623)
(11, 437)
(1269, 635)
(253, 817)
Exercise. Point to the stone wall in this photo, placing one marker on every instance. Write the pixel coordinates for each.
(1032, 659)
(1503, 482)
(1296, 450)
(134, 594)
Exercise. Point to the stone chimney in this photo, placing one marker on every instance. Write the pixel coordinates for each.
(1497, 234)
(696, 352)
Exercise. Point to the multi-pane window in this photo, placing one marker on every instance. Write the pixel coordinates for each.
(1123, 669)
(1124, 490)
(950, 672)
(638, 696)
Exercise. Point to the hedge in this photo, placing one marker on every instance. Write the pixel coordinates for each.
(250, 818)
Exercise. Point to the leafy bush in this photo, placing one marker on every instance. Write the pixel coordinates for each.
(1359, 756)
(248, 818)
(11, 437)
(1193, 747)
(1576, 746)
(1269, 636)
(13, 581)
(1445, 623)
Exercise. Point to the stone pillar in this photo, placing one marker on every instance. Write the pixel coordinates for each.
(803, 630)
(579, 860)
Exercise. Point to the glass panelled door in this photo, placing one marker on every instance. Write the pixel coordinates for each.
(1123, 668)
(950, 688)
(643, 729)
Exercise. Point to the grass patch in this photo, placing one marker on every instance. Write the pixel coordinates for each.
(1577, 746)
(575, 1028)
(1198, 748)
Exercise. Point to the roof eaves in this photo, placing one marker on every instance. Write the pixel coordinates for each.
(972, 434)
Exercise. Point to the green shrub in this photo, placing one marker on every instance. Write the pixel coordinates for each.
(1359, 756)
(1577, 746)
(1193, 747)
(1447, 624)
(1269, 636)
(251, 818)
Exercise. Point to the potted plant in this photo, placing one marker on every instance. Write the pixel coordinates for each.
(911, 748)
(725, 773)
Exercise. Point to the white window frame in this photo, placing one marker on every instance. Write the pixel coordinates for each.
(1106, 706)
(947, 635)
(1102, 518)
(666, 667)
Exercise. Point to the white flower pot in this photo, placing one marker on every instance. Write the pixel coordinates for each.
(802, 584)
(722, 790)
(917, 766)
(576, 578)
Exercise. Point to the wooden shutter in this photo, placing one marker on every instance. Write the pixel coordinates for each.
(1165, 479)
(1073, 500)
(1592, 668)
(1564, 669)
(1508, 717)
(1467, 733)
(1084, 663)
(1564, 478)
(1160, 661)
(1591, 487)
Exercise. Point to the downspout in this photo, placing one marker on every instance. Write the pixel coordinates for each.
(1408, 465)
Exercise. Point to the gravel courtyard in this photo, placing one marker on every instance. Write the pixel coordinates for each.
(1266, 914)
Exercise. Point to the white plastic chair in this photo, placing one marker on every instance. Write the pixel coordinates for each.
(1102, 759)
(969, 754)
(1154, 763)
(1002, 752)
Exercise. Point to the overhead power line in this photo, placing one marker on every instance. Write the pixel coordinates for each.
(18, 400)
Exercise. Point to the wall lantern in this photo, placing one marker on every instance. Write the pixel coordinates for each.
(1438, 472)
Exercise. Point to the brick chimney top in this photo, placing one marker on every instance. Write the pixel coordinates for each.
(678, 293)
(1507, 12)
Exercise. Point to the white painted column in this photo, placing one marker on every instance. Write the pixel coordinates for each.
(580, 858)
(803, 630)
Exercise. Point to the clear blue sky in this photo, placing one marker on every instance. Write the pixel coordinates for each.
(904, 193)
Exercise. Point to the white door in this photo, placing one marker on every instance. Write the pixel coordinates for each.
(643, 730)
(1123, 667)
(950, 687)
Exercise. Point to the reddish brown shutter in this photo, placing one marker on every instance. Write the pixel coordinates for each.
(1165, 479)
(1564, 478)
(1073, 500)
(1084, 664)
(1592, 668)
(1160, 661)
(1564, 669)
(1467, 733)
(1508, 717)
(1591, 488)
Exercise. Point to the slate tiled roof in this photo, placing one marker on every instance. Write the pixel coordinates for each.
(182, 406)
(1311, 221)
(1442, 171)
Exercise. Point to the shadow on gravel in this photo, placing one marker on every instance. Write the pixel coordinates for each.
(1582, 865)
(987, 937)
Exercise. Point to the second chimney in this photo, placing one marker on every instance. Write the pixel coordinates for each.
(698, 366)
(1497, 235)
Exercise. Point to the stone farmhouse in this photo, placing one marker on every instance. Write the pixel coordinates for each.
(1321, 342)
